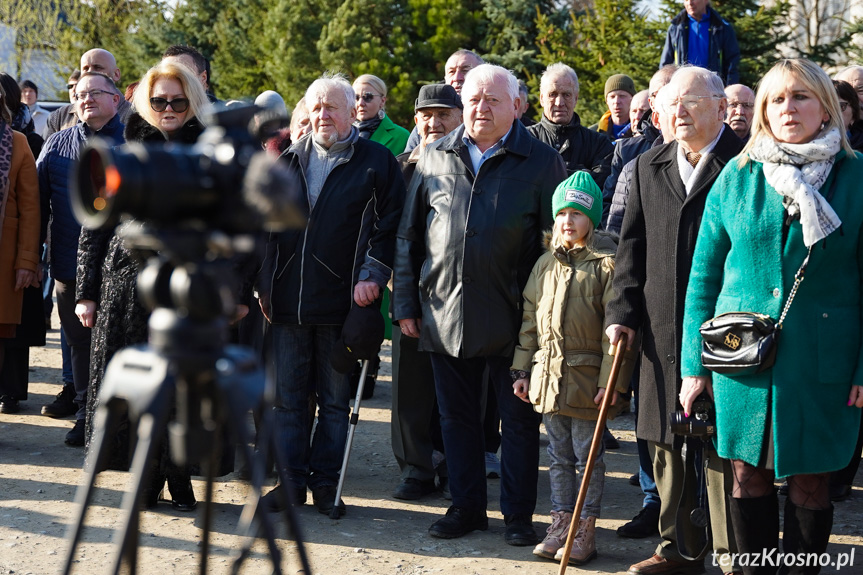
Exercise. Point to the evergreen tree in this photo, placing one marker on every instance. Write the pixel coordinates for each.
(510, 32)
(614, 37)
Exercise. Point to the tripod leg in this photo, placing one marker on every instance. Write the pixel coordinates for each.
(215, 454)
(355, 415)
(151, 427)
(106, 422)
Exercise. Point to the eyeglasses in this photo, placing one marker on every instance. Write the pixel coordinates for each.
(179, 105)
(843, 106)
(71, 86)
(744, 105)
(94, 94)
(689, 103)
(366, 97)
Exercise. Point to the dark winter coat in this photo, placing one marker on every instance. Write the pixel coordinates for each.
(580, 148)
(624, 152)
(744, 262)
(855, 135)
(616, 207)
(54, 167)
(310, 274)
(723, 51)
(107, 274)
(66, 117)
(654, 258)
(467, 242)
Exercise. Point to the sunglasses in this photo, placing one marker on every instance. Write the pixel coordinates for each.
(179, 105)
(71, 86)
(366, 97)
(844, 105)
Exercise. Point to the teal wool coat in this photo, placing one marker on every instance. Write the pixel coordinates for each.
(391, 136)
(742, 264)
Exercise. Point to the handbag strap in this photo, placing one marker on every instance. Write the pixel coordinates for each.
(798, 277)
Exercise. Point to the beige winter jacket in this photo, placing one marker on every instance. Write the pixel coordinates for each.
(562, 343)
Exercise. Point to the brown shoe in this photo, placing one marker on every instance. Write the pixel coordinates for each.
(657, 565)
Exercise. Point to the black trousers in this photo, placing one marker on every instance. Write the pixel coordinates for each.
(78, 337)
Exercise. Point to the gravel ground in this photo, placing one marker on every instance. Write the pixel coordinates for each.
(378, 535)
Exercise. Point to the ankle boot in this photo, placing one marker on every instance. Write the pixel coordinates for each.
(806, 531)
(584, 544)
(756, 526)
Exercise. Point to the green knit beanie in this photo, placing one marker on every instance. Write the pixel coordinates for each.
(579, 191)
(619, 82)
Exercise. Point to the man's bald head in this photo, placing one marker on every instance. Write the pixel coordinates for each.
(100, 61)
(854, 76)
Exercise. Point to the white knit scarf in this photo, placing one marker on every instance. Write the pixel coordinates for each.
(797, 172)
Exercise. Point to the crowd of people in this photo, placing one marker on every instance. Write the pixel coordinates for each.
(511, 257)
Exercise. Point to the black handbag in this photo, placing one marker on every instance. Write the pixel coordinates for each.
(743, 343)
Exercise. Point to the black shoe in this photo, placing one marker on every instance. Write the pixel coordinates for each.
(519, 530)
(9, 405)
(182, 494)
(63, 405)
(274, 501)
(610, 441)
(633, 480)
(458, 522)
(75, 437)
(840, 492)
(645, 524)
(411, 489)
(324, 498)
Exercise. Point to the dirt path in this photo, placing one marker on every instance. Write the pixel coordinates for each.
(379, 535)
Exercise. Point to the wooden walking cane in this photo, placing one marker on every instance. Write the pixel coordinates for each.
(619, 349)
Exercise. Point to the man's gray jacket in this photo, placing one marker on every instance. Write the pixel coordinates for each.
(467, 242)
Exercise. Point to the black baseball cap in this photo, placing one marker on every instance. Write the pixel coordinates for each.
(438, 96)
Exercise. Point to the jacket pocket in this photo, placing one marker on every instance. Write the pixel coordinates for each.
(284, 267)
(838, 344)
(328, 268)
(580, 377)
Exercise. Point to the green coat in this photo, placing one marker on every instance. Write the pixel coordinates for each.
(392, 137)
(741, 264)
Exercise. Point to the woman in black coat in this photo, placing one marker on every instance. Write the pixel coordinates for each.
(168, 102)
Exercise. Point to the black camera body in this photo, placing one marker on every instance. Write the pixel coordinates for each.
(700, 423)
(225, 181)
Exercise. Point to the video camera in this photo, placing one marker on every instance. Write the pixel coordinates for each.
(225, 181)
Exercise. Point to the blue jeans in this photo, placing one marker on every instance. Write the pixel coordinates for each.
(301, 355)
(459, 387)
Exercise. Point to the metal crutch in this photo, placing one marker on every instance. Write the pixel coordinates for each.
(336, 513)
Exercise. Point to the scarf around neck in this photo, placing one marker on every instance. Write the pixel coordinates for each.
(797, 172)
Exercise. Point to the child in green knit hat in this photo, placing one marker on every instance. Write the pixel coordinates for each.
(562, 361)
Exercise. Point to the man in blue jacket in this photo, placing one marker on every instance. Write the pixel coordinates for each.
(699, 36)
(96, 101)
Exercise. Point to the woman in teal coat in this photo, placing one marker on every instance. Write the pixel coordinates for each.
(372, 119)
(766, 210)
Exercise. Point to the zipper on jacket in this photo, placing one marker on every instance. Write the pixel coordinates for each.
(303, 252)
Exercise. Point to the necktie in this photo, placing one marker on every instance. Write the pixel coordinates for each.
(692, 158)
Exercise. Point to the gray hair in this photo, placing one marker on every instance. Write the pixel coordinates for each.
(558, 69)
(488, 74)
(330, 81)
(522, 88)
(466, 52)
(711, 79)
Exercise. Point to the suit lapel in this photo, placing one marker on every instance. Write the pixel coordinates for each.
(666, 162)
(728, 146)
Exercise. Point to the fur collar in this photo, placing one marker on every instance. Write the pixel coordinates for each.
(139, 130)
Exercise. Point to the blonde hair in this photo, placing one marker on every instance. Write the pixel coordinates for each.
(192, 89)
(815, 79)
(374, 82)
(586, 241)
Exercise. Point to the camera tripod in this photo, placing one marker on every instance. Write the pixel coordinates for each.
(187, 364)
